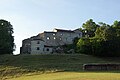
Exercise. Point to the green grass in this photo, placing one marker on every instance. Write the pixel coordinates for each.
(72, 76)
(26, 66)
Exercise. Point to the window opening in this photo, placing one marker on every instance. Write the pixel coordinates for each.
(47, 49)
(48, 38)
(60, 38)
(54, 37)
(38, 42)
(38, 48)
(53, 34)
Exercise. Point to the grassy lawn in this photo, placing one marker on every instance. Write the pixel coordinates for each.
(53, 67)
(72, 76)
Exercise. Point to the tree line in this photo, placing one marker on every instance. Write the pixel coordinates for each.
(99, 39)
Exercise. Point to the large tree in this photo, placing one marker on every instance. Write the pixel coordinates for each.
(6, 38)
(90, 27)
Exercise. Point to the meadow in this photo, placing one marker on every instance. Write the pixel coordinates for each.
(54, 67)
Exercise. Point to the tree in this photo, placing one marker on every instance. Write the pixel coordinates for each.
(6, 38)
(90, 27)
(106, 41)
(84, 46)
(116, 25)
(99, 33)
(105, 32)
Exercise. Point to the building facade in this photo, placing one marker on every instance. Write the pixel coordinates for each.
(46, 42)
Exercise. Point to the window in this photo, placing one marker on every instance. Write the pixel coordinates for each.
(61, 34)
(66, 39)
(54, 38)
(48, 38)
(47, 49)
(53, 34)
(60, 38)
(38, 48)
(38, 42)
(43, 49)
(1, 23)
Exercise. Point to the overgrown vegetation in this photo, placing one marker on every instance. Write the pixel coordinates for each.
(99, 39)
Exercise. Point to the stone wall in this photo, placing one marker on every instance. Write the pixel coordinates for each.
(100, 67)
(37, 46)
(25, 49)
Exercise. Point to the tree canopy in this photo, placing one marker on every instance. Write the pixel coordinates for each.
(104, 40)
(90, 27)
(6, 37)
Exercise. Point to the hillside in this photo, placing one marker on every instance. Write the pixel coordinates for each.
(14, 66)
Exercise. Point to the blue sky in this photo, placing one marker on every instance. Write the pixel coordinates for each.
(30, 17)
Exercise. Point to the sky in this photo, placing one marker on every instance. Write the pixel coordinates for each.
(30, 17)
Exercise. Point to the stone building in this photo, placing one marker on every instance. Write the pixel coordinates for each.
(37, 46)
(25, 49)
(46, 42)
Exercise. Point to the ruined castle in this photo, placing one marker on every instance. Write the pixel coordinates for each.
(47, 42)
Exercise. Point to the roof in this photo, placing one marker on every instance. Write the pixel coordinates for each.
(38, 39)
(76, 30)
(62, 30)
(48, 32)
